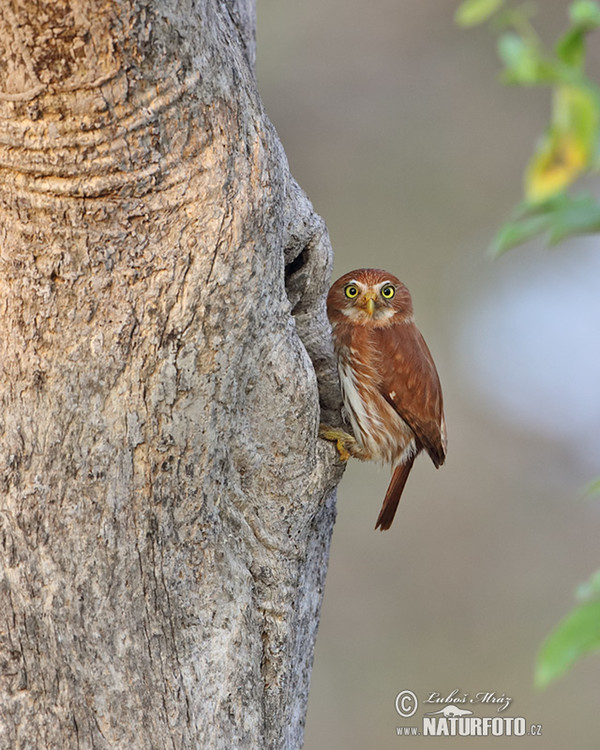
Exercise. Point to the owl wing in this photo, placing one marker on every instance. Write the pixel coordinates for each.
(410, 383)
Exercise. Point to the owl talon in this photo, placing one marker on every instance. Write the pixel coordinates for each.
(343, 441)
(344, 455)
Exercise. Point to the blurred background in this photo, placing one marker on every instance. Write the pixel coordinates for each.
(395, 125)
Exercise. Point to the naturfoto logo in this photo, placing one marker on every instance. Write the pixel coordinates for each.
(455, 715)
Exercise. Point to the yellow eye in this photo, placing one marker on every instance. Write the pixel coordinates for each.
(351, 291)
(388, 291)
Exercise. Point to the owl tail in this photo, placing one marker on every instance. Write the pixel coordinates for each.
(393, 494)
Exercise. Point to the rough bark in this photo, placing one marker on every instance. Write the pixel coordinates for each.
(166, 506)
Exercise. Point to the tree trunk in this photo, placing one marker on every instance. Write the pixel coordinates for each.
(166, 507)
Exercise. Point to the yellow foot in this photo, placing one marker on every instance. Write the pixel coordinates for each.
(344, 442)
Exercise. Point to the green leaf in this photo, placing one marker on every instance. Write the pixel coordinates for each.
(571, 48)
(519, 57)
(515, 233)
(585, 14)
(590, 589)
(577, 634)
(560, 216)
(576, 216)
(585, 17)
(473, 12)
(523, 61)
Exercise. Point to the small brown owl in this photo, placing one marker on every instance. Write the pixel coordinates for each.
(390, 387)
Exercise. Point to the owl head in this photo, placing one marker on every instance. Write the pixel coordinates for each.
(369, 296)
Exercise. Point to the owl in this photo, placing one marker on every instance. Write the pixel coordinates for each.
(390, 387)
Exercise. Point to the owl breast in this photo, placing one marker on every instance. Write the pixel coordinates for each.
(381, 433)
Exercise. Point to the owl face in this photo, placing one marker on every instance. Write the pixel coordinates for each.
(369, 297)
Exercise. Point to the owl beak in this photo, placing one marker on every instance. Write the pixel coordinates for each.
(370, 303)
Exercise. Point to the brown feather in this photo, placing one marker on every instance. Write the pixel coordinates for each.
(393, 494)
(408, 372)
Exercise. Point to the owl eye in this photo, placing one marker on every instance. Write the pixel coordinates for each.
(351, 291)
(388, 291)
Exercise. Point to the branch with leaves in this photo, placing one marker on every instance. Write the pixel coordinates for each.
(570, 147)
(568, 150)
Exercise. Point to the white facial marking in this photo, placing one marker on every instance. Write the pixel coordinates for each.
(384, 313)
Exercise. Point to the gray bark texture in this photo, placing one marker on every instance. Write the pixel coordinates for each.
(165, 504)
